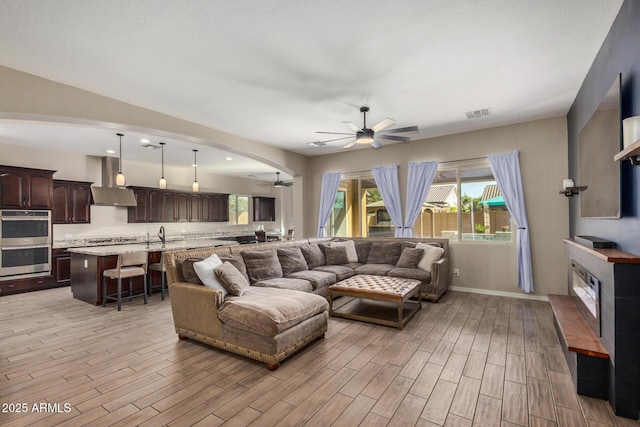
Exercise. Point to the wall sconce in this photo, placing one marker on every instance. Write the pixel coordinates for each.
(120, 180)
(162, 184)
(195, 186)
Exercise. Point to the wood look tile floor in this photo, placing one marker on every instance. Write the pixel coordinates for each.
(468, 360)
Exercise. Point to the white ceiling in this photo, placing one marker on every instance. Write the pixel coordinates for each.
(277, 71)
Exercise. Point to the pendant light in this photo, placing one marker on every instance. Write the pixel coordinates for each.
(195, 186)
(120, 181)
(162, 184)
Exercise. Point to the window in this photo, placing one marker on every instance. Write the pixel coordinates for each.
(465, 204)
(358, 210)
(238, 209)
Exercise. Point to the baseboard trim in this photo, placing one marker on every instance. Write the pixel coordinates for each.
(499, 293)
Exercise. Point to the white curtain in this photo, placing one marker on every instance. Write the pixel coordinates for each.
(419, 179)
(330, 183)
(387, 181)
(506, 170)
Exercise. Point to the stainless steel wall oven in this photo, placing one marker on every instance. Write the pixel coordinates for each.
(25, 243)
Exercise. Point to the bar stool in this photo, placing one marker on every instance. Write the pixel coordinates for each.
(158, 266)
(129, 265)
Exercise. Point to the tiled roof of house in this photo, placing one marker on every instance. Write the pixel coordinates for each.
(440, 193)
(490, 191)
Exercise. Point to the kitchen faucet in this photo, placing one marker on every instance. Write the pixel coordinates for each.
(161, 235)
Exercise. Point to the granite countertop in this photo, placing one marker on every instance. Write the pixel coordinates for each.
(152, 247)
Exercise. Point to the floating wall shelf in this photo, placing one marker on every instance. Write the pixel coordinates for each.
(632, 153)
(572, 191)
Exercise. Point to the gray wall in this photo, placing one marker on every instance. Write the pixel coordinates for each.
(543, 160)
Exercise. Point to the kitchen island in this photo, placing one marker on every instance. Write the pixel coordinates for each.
(88, 264)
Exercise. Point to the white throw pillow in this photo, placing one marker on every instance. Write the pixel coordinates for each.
(204, 270)
(431, 254)
(350, 246)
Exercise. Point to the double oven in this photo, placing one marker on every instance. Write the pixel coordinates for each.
(25, 243)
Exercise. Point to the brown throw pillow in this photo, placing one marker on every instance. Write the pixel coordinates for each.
(231, 278)
(410, 258)
(262, 265)
(336, 255)
(291, 260)
(188, 273)
(313, 255)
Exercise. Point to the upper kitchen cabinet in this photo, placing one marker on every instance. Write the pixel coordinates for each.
(155, 205)
(23, 188)
(264, 209)
(71, 202)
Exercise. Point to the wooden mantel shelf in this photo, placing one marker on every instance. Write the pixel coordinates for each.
(632, 152)
(608, 255)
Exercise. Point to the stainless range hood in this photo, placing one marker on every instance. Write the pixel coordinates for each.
(110, 194)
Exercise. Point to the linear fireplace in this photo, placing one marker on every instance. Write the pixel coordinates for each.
(587, 288)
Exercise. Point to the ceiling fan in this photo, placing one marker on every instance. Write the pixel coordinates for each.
(371, 136)
(278, 182)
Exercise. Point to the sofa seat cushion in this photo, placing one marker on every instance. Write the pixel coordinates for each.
(375, 269)
(341, 271)
(293, 284)
(318, 279)
(411, 273)
(268, 311)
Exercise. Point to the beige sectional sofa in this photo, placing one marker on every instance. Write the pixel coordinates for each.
(283, 309)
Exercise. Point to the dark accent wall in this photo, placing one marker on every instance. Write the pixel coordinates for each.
(620, 53)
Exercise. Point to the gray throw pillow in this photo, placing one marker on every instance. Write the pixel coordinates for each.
(237, 261)
(231, 278)
(262, 265)
(313, 255)
(385, 253)
(188, 272)
(291, 260)
(336, 255)
(410, 258)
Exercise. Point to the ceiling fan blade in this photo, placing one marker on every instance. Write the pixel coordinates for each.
(401, 130)
(383, 124)
(335, 133)
(352, 126)
(350, 144)
(375, 144)
(394, 138)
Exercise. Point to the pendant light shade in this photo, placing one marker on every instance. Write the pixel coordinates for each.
(120, 180)
(162, 184)
(195, 186)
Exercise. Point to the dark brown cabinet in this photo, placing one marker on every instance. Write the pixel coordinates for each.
(264, 209)
(23, 188)
(61, 267)
(172, 206)
(71, 202)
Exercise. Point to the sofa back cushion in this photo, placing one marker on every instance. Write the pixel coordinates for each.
(384, 253)
(313, 255)
(363, 247)
(262, 265)
(350, 246)
(291, 260)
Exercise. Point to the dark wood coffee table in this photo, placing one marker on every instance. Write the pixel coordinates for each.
(374, 297)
